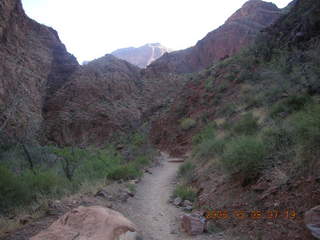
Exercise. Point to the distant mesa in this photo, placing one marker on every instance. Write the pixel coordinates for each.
(141, 56)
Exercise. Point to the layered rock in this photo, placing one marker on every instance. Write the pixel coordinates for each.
(237, 32)
(34, 62)
(141, 56)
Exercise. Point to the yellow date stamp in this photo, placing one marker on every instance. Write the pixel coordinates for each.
(254, 214)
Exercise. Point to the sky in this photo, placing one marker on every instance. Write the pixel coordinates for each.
(90, 29)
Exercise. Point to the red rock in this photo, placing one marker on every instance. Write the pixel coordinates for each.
(193, 224)
(312, 221)
(91, 223)
(238, 31)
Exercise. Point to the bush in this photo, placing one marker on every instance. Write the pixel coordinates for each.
(125, 172)
(21, 190)
(209, 148)
(206, 133)
(246, 125)
(138, 139)
(306, 132)
(97, 164)
(185, 193)
(290, 105)
(188, 123)
(277, 140)
(186, 171)
(13, 192)
(245, 154)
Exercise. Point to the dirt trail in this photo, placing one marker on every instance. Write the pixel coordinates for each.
(149, 209)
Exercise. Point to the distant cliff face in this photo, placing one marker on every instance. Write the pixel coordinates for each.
(237, 32)
(33, 64)
(100, 99)
(141, 56)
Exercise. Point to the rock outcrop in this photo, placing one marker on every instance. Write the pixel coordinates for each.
(34, 64)
(141, 56)
(91, 223)
(237, 32)
(312, 221)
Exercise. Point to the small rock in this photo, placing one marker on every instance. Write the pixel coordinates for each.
(177, 201)
(25, 219)
(193, 224)
(135, 181)
(173, 232)
(148, 171)
(186, 203)
(109, 205)
(260, 187)
(188, 208)
(312, 221)
(131, 194)
(102, 193)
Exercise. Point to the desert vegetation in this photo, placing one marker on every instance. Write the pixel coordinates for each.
(51, 172)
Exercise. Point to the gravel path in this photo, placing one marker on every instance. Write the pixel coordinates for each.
(155, 218)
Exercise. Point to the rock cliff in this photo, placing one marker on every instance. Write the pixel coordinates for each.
(34, 64)
(141, 56)
(237, 32)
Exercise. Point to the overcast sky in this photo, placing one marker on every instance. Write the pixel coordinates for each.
(90, 29)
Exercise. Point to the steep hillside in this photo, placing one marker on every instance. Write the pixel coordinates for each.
(100, 100)
(141, 56)
(34, 63)
(237, 32)
(252, 122)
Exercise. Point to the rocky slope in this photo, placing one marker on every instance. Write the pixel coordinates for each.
(34, 64)
(141, 56)
(100, 99)
(268, 95)
(237, 32)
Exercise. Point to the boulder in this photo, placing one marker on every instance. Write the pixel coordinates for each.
(193, 224)
(312, 221)
(89, 223)
(186, 203)
(177, 201)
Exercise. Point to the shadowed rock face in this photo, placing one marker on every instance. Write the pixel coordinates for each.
(141, 56)
(100, 99)
(238, 31)
(33, 62)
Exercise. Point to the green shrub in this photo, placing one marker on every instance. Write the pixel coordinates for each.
(138, 139)
(277, 140)
(206, 133)
(125, 172)
(209, 148)
(246, 125)
(186, 171)
(306, 131)
(185, 193)
(13, 191)
(290, 105)
(245, 154)
(97, 164)
(228, 110)
(141, 161)
(44, 183)
(188, 123)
